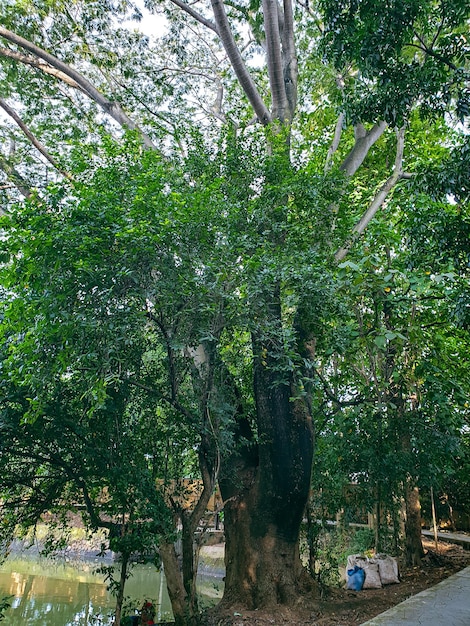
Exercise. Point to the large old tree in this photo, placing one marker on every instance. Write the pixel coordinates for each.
(295, 118)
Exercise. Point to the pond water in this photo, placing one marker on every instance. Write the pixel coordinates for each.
(59, 593)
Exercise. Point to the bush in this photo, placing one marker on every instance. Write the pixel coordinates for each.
(5, 603)
(332, 546)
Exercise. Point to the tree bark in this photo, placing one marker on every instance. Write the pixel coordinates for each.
(190, 521)
(263, 567)
(265, 488)
(413, 542)
(174, 582)
(122, 584)
(189, 566)
(228, 41)
(364, 141)
(379, 198)
(274, 60)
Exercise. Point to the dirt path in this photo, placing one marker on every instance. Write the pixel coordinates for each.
(339, 607)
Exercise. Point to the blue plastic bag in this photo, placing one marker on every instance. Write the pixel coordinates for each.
(355, 578)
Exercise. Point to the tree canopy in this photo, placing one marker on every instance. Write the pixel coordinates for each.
(242, 237)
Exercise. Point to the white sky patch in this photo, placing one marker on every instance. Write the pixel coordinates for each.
(151, 24)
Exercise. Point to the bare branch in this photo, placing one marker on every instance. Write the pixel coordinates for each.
(364, 141)
(44, 67)
(112, 108)
(335, 143)
(333, 397)
(380, 198)
(37, 144)
(197, 16)
(289, 56)
(216, 108)
(162, 120)
(274, 59)
(306, 6)
(239, 67)
(15, 177)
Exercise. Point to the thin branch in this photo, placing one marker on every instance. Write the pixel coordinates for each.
(331, 396)
(37, 144)
(420, 39)
(335, 143)
(438, 31)
(111, 108)
(429, 51)
(379, 199)
(197, 16)
(442, 59)
(160, 117)
(15, 177)
(169, 352)
(306, 5)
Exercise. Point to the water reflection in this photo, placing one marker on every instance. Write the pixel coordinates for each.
(56, 593)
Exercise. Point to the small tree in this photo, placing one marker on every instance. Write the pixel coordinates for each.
(103, 371)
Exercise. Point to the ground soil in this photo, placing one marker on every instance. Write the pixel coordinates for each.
(340, 607)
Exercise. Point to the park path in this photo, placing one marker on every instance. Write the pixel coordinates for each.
(445, 604)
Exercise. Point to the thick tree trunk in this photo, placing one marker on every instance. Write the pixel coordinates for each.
(263, 567)
(413, 537)
(265, 489)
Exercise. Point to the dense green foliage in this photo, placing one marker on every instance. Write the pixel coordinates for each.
(193, 292)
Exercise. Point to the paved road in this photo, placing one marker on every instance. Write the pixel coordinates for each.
(445, 604)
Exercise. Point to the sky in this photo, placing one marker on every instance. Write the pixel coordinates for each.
(151, 24)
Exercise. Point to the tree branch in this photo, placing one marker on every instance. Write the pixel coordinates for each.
(379, 199)
(289, 57)
(197, 16)
(335, 143)
(42, 149)
(233, 53)
(216, 108)
(274, 59)
(364, 141)
(209, 476)
(44, 67)
(429, 49)
(15, 177)
(333, 397)
(111, 108)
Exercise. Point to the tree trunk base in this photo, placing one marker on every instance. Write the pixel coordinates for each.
(298, 611)
(414, 551)
(269, 577)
